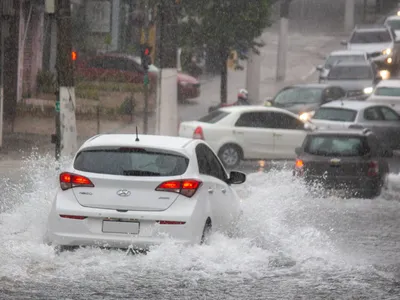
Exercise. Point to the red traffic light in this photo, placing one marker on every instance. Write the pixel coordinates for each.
(74, 55)
(147, 51)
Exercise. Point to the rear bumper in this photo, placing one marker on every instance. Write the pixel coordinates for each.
(350, 183)
(189, 91)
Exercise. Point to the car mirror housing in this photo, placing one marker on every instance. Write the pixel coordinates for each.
(236, 177)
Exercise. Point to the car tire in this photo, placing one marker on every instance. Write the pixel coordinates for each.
(207, 230)
(230, 155)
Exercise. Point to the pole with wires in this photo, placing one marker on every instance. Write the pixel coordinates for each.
(283, 41)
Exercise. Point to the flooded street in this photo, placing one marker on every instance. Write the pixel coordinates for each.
(288, 245)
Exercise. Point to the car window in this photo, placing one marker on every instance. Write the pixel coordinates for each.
(389, 114)
(331, 145)
(394, 24)
(373, 114)
(214, 117)
(331, 60)
(252, 119)
(131, 161)
(283, 121)
(209, 163)
(298, 95)
(335, 114)
(351, 73)
(96, 63)
(387, 91)
(370, 37)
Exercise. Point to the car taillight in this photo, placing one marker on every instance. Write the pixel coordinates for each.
(373, 168)
(186, 187)
(69, 181)
(73, 217)
(171, 222)
(198, 133)
(299, 167)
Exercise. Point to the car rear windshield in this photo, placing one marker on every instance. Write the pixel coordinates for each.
(214, 117)
(394, 24)
(331, 145)
(351, 73)
(131, 162)
(343, 58)
(335, 114)
(387, 91)
(371, 37)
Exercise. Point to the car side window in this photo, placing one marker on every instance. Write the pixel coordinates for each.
(96, 63)
(284, 121)
(252, 119)
(338, 93)
(210, 164)
(389, 114)
(373, 114)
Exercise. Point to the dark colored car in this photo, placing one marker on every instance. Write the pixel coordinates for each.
(353, 160)
(304, 99)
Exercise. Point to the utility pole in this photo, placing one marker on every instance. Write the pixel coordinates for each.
(283, 41)
(253, 76)
(3, 32)
(349, 15)
(146, 74)
(65, 77)
(167, 108)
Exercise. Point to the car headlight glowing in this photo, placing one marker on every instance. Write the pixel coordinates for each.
(387, 51)
(385, 74)
(368, 90)
(306, 115)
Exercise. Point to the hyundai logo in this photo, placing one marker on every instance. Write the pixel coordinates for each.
(123, 193)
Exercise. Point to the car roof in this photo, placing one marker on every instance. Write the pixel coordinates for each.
(360, 132)
(389, 83)
(347, 52)
(311, 85)
(371, 27)
(352, 63)
(349, 104)
(129, 140)
(394, 17)
(252, 108)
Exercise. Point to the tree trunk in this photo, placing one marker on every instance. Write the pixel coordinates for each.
(224, 75)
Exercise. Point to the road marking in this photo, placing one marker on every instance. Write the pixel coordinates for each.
(312, 71)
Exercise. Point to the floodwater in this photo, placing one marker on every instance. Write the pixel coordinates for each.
(288, 245)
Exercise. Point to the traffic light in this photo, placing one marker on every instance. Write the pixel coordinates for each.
(74, 55)
(146, 57)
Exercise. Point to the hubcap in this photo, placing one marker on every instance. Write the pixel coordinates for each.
(230, 156)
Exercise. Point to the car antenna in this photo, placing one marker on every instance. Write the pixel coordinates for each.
(137, 135)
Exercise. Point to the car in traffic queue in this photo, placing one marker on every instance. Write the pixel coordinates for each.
(134, 191)
(340, 55)
(379, 42)
(387, 92)
(129, 68)
(394, 23)
(356, 78)
(239, 133)
(354, 161)
(353, 114)
(304, 99)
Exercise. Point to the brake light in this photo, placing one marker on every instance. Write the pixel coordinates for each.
(73, 217)
(299, 163)
(170, 222)
(373, 168)
(69, 181)
(299, 167)
(198, 133)
(187, 187)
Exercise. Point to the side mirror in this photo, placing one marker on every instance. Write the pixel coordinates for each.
(298, 150)
(268, 101)
(377, 79)
(319, 68)
(344, 43)
(236, 177)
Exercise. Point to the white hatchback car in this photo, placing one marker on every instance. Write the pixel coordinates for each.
(249, 132)
(120, 192)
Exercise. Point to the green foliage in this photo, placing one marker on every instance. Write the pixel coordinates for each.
(93, 89)
(224, 25)
(128, 106)
(46, 82)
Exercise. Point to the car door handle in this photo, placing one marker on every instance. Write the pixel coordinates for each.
(277, 134)
(210, 191)
(238, 132)
(223, 190)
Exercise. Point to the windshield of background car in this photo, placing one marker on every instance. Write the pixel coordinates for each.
(351, 73)
(394, 24)
(335, 114)
(131, 162)
(370, 37)
(331, 60)
(214, 117)
(330, 145)
(387, 91)
(298, 95)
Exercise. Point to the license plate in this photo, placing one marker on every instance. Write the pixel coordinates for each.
(120, 227)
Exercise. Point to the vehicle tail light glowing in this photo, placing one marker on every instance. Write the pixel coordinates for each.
(69, 181)
(171, 222)
(186, 187)
(73, 217)
(299, 167)
(373, 168)
(198, 133)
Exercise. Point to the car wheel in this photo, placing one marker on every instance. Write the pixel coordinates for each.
(230, 155)
(207, 230)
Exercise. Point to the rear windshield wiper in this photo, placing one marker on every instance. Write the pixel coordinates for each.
(140, 173)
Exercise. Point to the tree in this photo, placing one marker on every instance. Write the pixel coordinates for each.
(224, 25)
